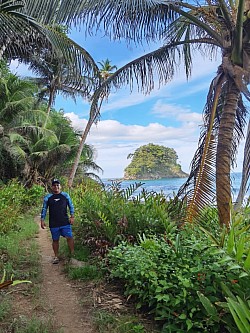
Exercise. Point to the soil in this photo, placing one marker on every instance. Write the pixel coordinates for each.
(63, 296)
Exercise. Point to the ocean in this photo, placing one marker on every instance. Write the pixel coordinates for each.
(170, 186)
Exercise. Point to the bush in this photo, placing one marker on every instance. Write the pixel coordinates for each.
(165, 275)
(14, 199)
(105, 218)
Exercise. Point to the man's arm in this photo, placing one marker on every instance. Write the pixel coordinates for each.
(44, 211)
(71, 208)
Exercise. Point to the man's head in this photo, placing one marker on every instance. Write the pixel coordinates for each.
(56, 187)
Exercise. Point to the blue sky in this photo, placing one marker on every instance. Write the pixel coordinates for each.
(169, 116)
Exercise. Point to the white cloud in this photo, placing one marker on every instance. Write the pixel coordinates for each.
(163, 110)
(114, 141)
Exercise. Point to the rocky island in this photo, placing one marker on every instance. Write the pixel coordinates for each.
(153, 162)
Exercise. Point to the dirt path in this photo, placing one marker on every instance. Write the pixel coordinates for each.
(60, 294)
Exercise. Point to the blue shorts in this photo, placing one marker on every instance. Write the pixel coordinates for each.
(64, 231)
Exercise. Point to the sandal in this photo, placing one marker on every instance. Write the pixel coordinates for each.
(55, 260)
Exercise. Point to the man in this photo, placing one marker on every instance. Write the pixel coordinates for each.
(59, 222)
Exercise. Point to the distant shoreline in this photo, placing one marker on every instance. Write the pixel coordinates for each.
(123, 179)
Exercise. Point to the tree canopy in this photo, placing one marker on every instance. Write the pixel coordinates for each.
(153, 162)
(28, 151)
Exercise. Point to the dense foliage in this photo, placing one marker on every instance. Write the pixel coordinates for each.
(30, 151)
(190, 278)
(153, 161)
(15, 200)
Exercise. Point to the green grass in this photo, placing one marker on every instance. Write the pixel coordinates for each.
(21, 261)
(35, 325)
(81, 253)
(107, 322)
(85, 273)
(20, 250)
(5, 307)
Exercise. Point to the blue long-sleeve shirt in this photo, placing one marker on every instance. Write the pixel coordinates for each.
(58, 205)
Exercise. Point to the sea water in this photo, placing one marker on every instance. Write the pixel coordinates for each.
(170, 186)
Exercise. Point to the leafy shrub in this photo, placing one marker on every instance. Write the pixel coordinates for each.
(165, 275)
(14, 199)
(105, 218)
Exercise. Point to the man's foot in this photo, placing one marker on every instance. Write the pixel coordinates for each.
(55, 260)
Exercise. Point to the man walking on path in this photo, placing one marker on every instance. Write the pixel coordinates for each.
(59, 221)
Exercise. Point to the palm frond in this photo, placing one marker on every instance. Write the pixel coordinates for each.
(157, 66)
(143, 19)
(13, 149)
(30, 37)
(199, 189)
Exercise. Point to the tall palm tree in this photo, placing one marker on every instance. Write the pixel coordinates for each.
(53, 77)
(94, 114)
(106, 68)
(186, 28)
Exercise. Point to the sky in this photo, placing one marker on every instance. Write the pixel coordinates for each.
(170, 116)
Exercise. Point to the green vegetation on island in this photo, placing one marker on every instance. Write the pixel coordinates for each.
(153, 162)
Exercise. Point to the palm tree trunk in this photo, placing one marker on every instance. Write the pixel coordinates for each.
(92, 118)
(79, 152)
(224, 155)
(50, 102)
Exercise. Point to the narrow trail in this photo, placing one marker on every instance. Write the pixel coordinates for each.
(60, 294)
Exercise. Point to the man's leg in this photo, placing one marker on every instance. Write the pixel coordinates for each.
(55, 246)
(70, 242)
(66, 231)
(55, 233)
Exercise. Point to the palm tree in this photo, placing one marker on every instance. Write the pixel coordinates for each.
(20, 124)
(187, 28)
(87, 168)
(106, 68)
(53, 77)
(16, 97)
(94, 115)
(66, 135)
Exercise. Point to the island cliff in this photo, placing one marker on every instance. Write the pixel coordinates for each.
(153, 162)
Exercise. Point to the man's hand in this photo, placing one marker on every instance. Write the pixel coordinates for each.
(43, 225)
(71, 219)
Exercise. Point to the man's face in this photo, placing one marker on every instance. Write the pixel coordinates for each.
(56, 188)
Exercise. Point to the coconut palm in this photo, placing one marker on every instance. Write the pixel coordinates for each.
(53, 77)
(22, 140)
(94, 114)
(61, 126)
(16, 99)
(106, 68)
(21, 129)
(186, 28)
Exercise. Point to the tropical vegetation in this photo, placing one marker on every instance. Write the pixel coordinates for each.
(185, 29)
(104, 72)
(29, 151)
(190, 277)
(153, 161)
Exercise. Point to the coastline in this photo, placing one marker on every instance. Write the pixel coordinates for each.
(167, 186)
